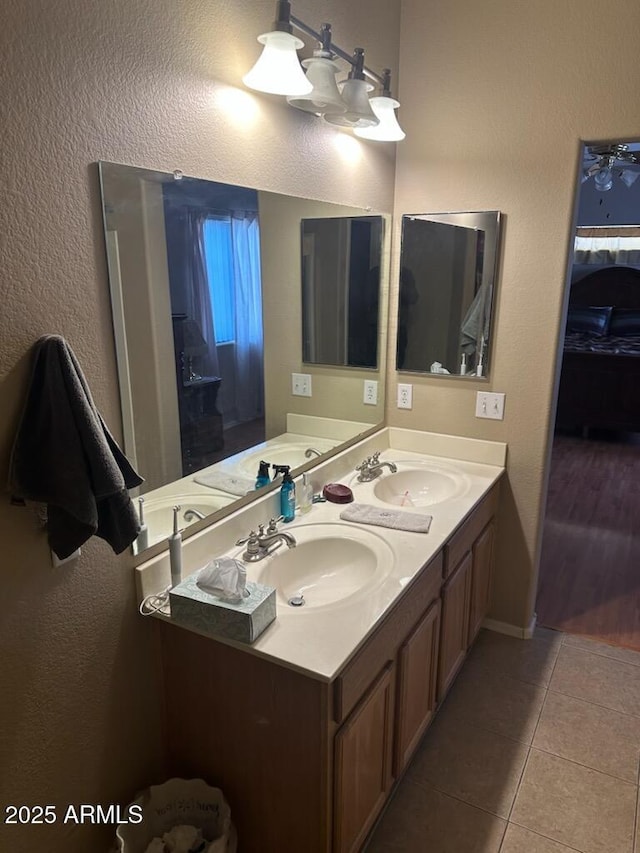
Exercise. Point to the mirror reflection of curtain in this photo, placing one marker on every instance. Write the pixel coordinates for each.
(605, 250)
(245, 240)
(198, 304)
(232, 249)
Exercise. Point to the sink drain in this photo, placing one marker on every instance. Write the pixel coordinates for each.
(297, 600)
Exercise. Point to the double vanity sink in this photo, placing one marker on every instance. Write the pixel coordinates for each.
(334, 562)
(309, 728)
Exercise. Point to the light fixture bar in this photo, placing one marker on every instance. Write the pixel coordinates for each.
(334, 48)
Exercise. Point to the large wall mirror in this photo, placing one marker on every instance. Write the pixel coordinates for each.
(206, 291)
(446, 295)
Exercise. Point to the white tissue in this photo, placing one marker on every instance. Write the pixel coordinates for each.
(156, 846)
(436, 367)
(183, 839)
(224, 578)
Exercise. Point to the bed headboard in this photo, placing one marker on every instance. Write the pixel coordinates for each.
(617, 286)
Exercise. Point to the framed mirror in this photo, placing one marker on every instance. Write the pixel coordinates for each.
(206, 293)
(341, 290)
(448, 264)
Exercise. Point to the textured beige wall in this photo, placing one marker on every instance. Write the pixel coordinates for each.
(495, 98)
(150, 84)
(336, 392)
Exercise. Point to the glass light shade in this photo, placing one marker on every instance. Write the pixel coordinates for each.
(278, 70)
(628, 177)
(603, 180)
(355, 94)
(388, 130)
(325, 97)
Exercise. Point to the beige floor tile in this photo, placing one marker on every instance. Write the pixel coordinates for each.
(476, 766)
(517, 839)
(548, 635)
(576, 806)
(598, 648)
(495, 702)
(420, 819)
(589, 734)
(594, 678)
(527, 660)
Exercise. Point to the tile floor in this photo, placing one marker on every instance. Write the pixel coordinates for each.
(535, 750)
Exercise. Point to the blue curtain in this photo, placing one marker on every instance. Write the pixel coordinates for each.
(219, 262)
(198, 296)
(232, 253)
(245, 240)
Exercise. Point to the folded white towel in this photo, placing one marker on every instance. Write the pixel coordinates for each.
(396, 519)
(226, 482)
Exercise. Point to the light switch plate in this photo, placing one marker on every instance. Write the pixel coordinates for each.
(490, 404)
(370, 392)
(301, 384)
(405, 396)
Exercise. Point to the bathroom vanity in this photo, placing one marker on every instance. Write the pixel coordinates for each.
(308, 730)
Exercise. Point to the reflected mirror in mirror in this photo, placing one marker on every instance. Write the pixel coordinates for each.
(341, 290)
(446, 295)
(205, 282)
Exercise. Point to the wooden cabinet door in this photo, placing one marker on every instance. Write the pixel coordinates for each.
(455, 624)
(363, 765)
(416, 693)
(481, 579)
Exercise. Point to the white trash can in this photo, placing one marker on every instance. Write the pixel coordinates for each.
(180, 802)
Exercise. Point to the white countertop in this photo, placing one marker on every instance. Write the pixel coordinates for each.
(320, 640)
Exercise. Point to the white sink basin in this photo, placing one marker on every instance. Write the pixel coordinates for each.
(158, 512)
(286, 453)
(420, 485)
(330, 563)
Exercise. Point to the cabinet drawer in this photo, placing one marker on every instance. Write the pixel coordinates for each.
(385, 642)
(464, 537)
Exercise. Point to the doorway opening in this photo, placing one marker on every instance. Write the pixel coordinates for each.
(589, 582)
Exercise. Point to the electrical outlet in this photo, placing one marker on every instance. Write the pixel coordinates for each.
(370, 392)
(490, 405)
(301, 384)
(405, 396)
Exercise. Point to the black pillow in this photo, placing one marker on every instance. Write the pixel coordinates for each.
(592, 319)
(624, 322)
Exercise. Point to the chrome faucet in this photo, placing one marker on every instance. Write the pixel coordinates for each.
(311, 451)
(372, 468)
(262, 544)
(190, 514)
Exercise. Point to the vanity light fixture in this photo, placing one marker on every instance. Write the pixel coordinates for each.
(325, 98)
(371, 118)
(384, 106)
(355, 94)
(278, 70)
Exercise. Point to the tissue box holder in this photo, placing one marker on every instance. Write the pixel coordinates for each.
(193, 608)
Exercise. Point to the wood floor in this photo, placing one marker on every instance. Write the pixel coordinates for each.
(240, 437)
(590, 567)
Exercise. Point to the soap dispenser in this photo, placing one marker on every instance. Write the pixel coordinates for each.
(263, 475)
(287, 495)
(306, 494)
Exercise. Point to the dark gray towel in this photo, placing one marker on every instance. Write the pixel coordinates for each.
(65, 457)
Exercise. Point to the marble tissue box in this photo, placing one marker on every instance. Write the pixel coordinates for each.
(192, 607)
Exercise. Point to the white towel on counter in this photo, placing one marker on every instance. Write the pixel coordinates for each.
(225, 482)
(396, 519)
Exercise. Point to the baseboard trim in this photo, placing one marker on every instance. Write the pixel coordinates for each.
(509, 629)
